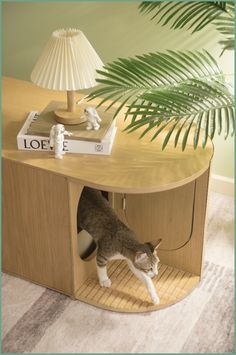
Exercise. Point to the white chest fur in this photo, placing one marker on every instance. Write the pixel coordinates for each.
(118, 257)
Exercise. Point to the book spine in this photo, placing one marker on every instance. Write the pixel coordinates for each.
(42, 144)
(33, 143)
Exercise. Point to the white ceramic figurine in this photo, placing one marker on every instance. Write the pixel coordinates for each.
(93, 119)
(57, 134)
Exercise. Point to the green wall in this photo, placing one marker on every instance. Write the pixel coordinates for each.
(115, 29)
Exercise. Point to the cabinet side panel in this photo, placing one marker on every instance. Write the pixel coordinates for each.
(36, 241)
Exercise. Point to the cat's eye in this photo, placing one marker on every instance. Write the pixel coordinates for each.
(149, 269)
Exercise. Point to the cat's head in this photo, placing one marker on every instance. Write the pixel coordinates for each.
(147, 259)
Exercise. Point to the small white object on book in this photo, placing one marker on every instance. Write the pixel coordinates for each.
(93, 120)
(41, 143)
(56, 139)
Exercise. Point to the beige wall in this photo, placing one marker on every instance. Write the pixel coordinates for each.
(115, 30)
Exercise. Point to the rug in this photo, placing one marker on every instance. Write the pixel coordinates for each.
(201, 323)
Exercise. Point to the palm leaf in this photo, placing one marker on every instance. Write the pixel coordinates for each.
(194, 15)
(225, 25)
(161, 89)
(180, 129)
(205, 130)
(187, 131)
(197, 130)
(193, 105)
(212, 124)
(227, 44)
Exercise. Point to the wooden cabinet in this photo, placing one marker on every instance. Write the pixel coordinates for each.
(159, 194)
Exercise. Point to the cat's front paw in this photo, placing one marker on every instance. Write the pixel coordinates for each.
(156, 300)
(105, 283)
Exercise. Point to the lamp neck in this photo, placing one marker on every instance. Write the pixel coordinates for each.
(70, 101)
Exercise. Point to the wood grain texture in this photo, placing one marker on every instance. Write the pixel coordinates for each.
(135, 166)
(71, 101)
(190, 256)
(167, 215)
(128, 294)
(68, 118)
(36, 226)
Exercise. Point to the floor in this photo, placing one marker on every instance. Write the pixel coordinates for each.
(38, 320)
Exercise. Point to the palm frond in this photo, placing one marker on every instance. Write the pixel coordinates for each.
(162, 90)
(227, 44)
(190, 101)
(225, 25)
(194, 15)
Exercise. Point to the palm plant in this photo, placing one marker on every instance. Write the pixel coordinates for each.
(173, 92)
(194, 16)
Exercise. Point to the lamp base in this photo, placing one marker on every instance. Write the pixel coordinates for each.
(70, 118)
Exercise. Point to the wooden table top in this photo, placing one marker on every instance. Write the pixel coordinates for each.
(134, 166)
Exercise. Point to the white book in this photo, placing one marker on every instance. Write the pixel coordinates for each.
(40, 143)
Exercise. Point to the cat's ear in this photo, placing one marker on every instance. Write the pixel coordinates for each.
(155, 244)
(139, 257)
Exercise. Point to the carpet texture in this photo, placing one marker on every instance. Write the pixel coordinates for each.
(38, 320)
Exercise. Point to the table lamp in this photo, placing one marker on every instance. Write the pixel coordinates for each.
(68, 63)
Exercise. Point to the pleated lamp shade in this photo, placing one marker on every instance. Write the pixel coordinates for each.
(68, 62)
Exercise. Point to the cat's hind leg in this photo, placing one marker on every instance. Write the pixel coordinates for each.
(101, 263)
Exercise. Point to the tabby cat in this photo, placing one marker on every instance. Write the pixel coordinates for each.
(115, 240)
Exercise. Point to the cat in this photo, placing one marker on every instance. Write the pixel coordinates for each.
(115, 240)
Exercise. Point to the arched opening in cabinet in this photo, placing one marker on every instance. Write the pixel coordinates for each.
(86, 245)
(171, 215)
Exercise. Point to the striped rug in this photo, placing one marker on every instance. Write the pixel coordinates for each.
(202, 323)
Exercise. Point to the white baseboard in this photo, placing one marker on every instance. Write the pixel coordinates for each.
(222, 184)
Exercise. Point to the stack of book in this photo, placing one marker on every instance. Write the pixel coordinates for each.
(34, 135)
